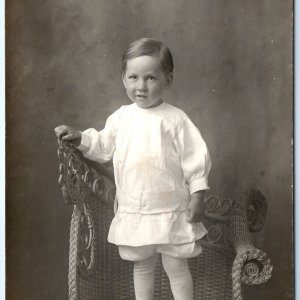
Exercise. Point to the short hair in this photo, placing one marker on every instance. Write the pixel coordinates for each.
(151, 47)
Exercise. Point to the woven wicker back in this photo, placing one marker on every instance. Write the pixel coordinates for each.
(113, 278)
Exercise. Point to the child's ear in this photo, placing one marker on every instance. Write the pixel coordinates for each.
(169, 80)
(123, 80)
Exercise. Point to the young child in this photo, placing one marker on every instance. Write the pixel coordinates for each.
(161, 165)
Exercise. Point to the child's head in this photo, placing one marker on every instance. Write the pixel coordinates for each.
(149, 47)
(147, 71)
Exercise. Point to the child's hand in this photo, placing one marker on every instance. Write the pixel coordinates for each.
(195, 209)
(68, 133)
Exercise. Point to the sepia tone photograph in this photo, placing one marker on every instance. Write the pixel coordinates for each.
(149, 150)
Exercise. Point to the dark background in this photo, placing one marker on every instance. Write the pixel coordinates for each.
(233, 77)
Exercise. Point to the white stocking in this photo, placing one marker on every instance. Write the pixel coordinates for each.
(180, 277)
(143, 277)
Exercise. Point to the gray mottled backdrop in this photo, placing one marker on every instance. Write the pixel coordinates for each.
(233, 77)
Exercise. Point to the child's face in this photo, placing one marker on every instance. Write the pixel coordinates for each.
(145, 81)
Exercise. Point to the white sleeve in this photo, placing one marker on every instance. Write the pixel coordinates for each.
(194, 156)
(100, 145)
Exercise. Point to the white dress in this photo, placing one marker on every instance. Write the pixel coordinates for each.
(159, 159)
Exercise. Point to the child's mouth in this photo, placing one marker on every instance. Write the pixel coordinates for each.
(141, 96)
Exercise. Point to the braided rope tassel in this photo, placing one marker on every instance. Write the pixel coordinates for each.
(73, 252)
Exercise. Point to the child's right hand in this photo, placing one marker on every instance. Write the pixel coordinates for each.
(68, 133)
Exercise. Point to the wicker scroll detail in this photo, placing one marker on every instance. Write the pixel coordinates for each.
(251, 265)
(81, 186)
(217, 219)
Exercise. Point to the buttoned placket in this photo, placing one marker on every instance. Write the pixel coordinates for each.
(143, 204)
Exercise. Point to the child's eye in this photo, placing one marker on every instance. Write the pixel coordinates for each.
(151, 78)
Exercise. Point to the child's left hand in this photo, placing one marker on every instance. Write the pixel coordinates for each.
(195, 209)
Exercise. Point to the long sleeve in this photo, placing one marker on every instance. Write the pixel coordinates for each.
(194, 156)
(100, 145)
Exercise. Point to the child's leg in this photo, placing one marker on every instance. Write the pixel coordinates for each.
(143, 276)
(180, 277)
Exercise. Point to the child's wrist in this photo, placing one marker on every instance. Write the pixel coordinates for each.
(77, 141)
(199, 195)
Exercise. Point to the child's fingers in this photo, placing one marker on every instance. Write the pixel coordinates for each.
(59, 128)
(189, 215)
(61, 131)
(193, 216)
(68, 137)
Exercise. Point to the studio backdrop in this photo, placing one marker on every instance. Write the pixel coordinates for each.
(233, 77)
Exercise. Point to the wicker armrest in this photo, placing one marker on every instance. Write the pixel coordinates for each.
(85, 185)
(251, 265)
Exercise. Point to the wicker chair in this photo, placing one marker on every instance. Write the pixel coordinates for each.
(95, 269)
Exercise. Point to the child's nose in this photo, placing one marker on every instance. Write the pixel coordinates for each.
(142, 85)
